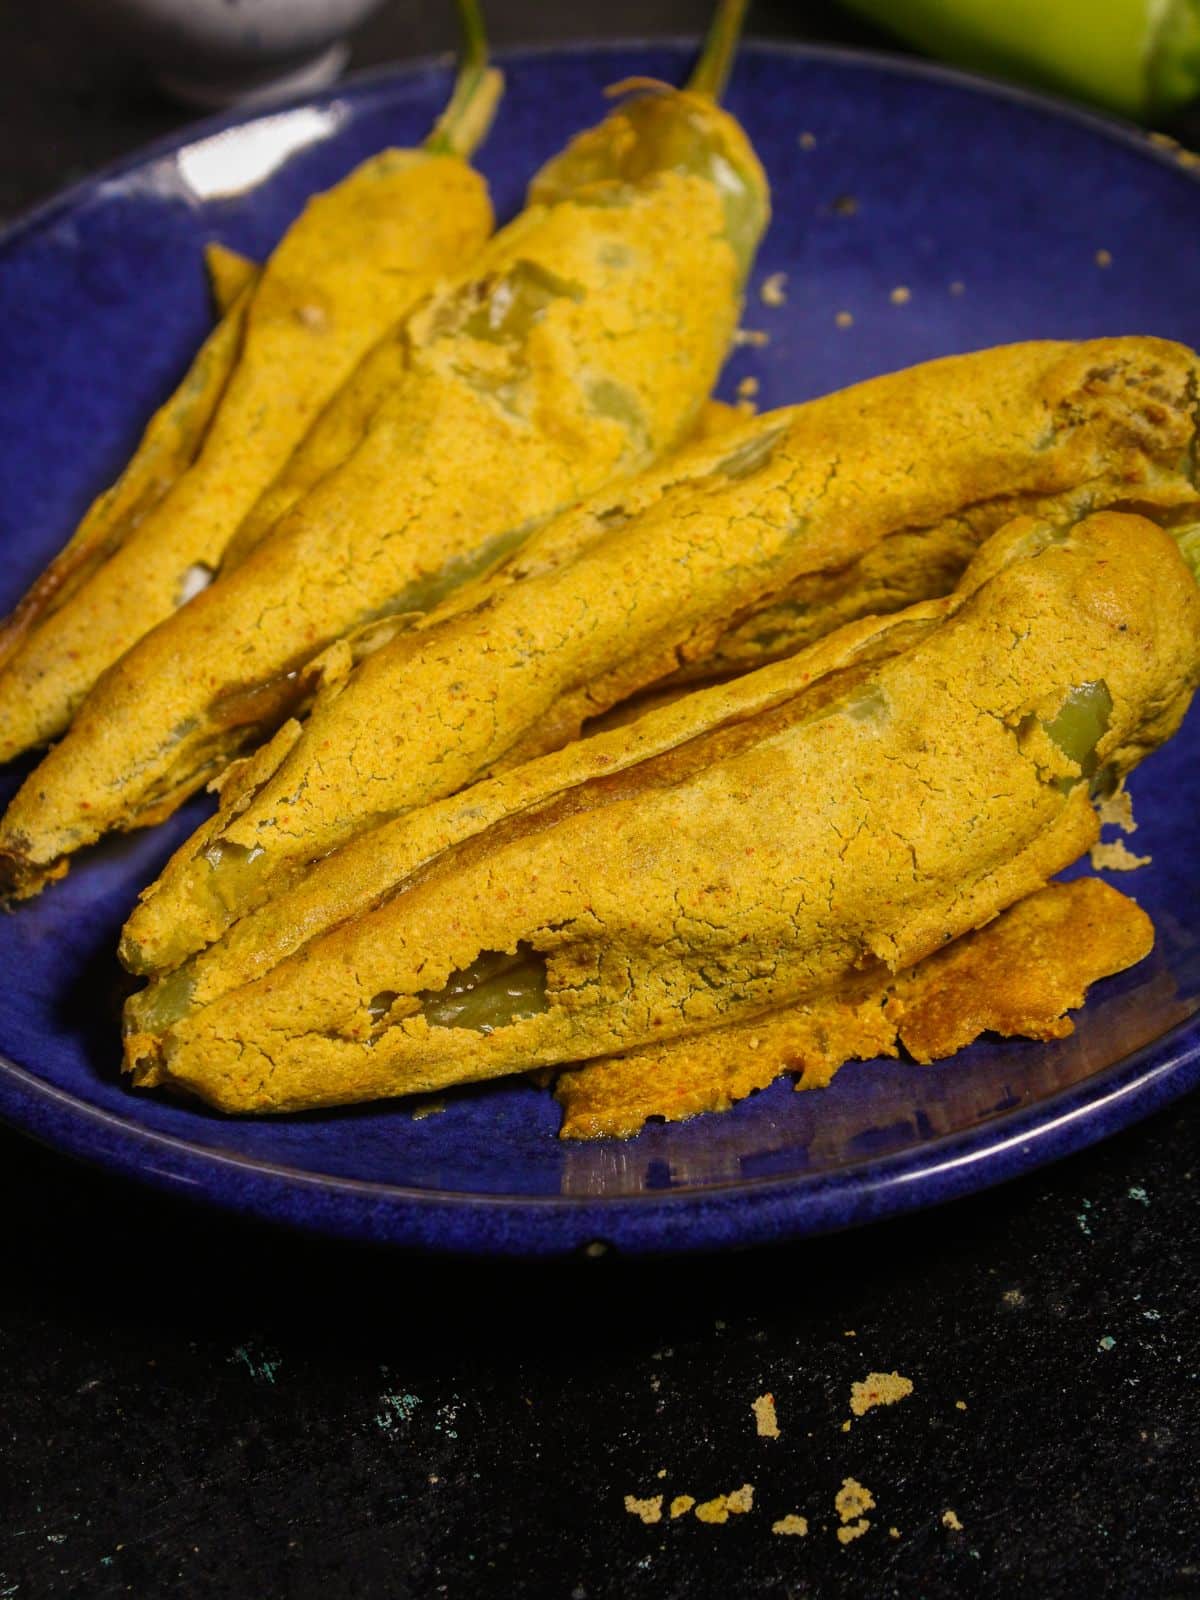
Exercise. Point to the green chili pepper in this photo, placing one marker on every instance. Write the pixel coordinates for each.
(1137, 57)
(579, 347)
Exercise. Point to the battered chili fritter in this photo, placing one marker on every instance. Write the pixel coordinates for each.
(356, 259)
(849, 810)
(1017, 977)
(579, 350)
(857, 503)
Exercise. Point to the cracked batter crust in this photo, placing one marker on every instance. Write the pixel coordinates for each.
(1017, 977)
(851, 809)
(799, 521)
(580, 349)
(357, 258)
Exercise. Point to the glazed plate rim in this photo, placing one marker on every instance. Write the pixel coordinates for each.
(730, 1212)
(356, 84)
(758, 1210)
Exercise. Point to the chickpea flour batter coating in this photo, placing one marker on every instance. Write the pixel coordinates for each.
(860, 502)
(1016, 976)
(167, 448)
(229, 272)
(581, 348)
(358, 257)
(856, 806)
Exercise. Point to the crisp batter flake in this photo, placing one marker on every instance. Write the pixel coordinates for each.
(1017, 976)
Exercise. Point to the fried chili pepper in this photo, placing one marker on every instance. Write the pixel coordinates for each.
(1016, 977)
(167, 449)
(357, 258)
(796, 522)
(581, 350)
(855, 807)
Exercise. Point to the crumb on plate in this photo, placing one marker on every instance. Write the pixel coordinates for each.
(774, 290)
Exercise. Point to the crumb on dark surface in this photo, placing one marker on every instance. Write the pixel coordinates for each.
(186, 1367)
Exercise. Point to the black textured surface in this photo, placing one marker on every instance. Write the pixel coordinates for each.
(194, 1407)
(206, 1409)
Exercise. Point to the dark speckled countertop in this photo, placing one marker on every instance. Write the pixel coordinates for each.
(194, 1407)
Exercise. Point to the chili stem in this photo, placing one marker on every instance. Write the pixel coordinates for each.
(463, 125)
(716, 58)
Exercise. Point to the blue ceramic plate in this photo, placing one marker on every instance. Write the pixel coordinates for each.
(1004, 217)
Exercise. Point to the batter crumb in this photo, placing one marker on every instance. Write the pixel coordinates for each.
(1116, 810)
(650, 1509)
(791, 1524)
(723, 1506)
(774, 290)
(1116, 856)
(756, 338)
(844, 319)
(900, 295)
(960, 1405)
(878, 1389)
(427, 1108)
(661, 1473)
(893, 1533)
(852, 1500)
(1103, 258)
(808, 141)
(311, 316)
(766, 1423)
(950, 1520)
(853, 1530)
(681, 1505)
(846, 205)
(747, 387)
(846, 1426)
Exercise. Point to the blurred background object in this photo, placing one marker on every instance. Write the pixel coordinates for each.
(217, 52)
(75, 97)
(1137, 57)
